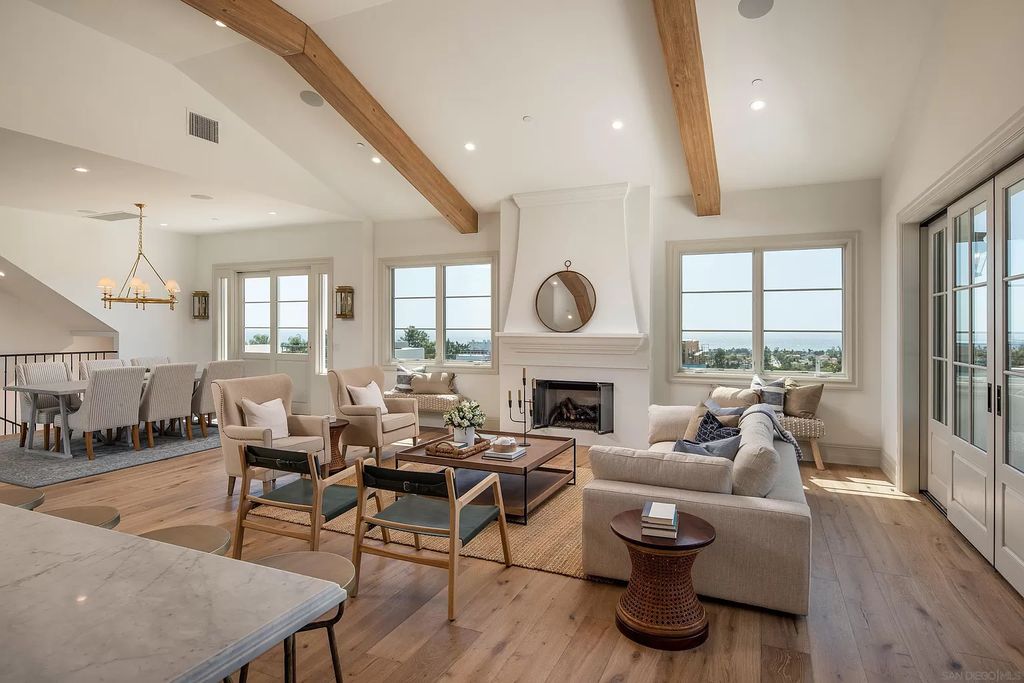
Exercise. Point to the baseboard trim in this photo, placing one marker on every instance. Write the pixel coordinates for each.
(889, 466)
(843, 454)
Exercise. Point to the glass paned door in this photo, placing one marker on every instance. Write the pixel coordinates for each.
(937, 473)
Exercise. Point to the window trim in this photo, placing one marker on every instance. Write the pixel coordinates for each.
(385, 308)
(848, 241)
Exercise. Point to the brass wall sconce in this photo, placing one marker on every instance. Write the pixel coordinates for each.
(344, 302)
(201, 305)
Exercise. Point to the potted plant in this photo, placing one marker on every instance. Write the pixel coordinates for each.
(464, 419)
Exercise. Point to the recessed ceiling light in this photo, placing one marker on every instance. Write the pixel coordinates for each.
(200, 196)
(375, 160)
(755, 9)
(617, 125)
(758, 105)
(470, 146)
(311, 98)
(163, 225)
(527, 118)
(220, 23)
(214, 219)
(271, 213)
(3, 274)
(80, 169)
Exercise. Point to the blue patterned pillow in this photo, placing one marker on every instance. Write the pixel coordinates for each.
(710, 429)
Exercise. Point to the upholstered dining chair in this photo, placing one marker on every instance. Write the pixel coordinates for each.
(429, 506)
(306, 433)
(87, 366)
(366, 425)
(46, 406)
(322, 499)
(150, 362)
(112, 398)
(168, 396)
(202, 396)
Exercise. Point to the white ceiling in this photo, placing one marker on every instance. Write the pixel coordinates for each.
(837, 76)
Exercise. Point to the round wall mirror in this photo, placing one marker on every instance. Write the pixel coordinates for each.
(566, 300)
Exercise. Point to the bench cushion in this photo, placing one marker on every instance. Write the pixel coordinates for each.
(430, 403)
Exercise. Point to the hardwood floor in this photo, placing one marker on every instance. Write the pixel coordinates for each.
(896, 595)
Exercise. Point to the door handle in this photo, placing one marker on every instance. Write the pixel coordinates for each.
(999, 399)
(990, 397)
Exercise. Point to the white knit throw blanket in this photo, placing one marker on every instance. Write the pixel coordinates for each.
(785, 435)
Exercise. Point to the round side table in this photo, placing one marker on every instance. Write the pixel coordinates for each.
(660, 608)
(338, 425)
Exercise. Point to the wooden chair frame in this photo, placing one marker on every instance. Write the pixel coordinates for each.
(315, 510)
(455, 503)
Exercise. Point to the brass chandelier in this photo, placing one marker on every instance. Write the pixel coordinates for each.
(135, 290)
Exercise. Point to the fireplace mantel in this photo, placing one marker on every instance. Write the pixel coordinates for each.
(557, 342)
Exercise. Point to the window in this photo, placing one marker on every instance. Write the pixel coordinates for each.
(445, 301)
(777, 307)
(256, 332)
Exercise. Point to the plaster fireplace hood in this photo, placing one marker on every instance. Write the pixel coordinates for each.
(572, 342)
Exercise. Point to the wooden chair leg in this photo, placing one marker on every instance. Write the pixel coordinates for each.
(88, 445)
(384, 532)
(357, 555)
(268, 485)
(135, 438)
(149, 433)
(24, 434)
(56, 439)
(453, 571)
(46, 437)
(202, 425)
(416, 542)
(231, 485)
(502, 525)
(188, 426)
(317, 520)
(110, 436)
(817, 454)
(243, 510)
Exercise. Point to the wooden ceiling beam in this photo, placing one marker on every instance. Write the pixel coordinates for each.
(267, 24)
(680, 43)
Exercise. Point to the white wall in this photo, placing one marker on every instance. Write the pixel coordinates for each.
(851, 414)
(350, 245)
(968, 87)
(69, 254)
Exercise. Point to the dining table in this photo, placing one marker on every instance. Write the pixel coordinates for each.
(82, 604)
(63, 392)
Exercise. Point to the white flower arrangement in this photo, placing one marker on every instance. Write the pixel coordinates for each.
(465, 415)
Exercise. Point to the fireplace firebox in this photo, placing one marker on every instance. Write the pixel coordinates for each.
(566, 404)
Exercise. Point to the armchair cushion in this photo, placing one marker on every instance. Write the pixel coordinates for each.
(304, 444)
(434, 512)
(272, 415)
(337, 499)
(370, 395)
(393, 421)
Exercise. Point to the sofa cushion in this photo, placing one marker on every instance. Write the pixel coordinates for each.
(773, 392)
(802, 401)
(403, 378)
(654, 468)
(393, 421)
(712, 429)
(719, 448)
(667, 423)
(757, 461)
(725, 397)
(788, 484)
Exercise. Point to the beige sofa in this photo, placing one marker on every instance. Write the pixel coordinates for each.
(762, 552)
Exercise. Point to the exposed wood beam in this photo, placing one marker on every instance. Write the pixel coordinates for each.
(267, 24)
(680, 43)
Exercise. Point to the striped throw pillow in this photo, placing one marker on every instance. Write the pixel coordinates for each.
(403, 380)
(772, 392)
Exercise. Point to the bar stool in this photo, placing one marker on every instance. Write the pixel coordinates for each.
(93, 515)
(19, 497)
(319, 565)
(202, 537)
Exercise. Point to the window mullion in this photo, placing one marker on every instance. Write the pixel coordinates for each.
(757, 333)
(440, 323)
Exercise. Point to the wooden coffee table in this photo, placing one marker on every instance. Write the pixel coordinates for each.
(660, 608)
(525, 483)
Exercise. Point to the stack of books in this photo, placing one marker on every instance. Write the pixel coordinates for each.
(659, 519)
(506, 456)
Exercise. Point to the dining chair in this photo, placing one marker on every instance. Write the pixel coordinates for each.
(429, 506)
(202, 398)
(367, 426)
(87, 366)
(112, 398)
(150, 362)
(168, 396)
(306, 433)
(46, 406)
(322, 499)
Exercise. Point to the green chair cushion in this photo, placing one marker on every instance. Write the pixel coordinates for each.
(337, 500)
(433, 512)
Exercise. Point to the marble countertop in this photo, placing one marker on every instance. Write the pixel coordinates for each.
(80, 603)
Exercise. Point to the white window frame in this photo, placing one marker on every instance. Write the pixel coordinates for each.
(757, 246)
(228, 322)
(385, 311)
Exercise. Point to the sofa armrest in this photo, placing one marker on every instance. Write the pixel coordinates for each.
(310, 425)
(240, 433)
(652, 468)
(667, 423)
(403, 405)
(360, 411)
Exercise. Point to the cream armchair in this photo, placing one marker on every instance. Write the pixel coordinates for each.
(306, 433)
(367, 426)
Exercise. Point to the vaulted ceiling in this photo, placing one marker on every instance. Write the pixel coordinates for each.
(835, 79)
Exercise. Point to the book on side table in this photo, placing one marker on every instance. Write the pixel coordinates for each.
(659, 519)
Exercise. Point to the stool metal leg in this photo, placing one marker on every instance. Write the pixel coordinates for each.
(335, 660)
(289, 659)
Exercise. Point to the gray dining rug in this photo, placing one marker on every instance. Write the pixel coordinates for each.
(37, 468)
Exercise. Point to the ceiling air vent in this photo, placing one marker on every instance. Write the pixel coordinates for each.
(113, 216)
(203, 127)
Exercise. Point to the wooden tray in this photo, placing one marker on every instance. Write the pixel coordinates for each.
(445, 449)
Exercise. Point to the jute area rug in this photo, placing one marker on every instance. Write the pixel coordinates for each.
(551, 542)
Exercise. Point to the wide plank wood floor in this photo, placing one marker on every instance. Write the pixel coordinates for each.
(896, 595)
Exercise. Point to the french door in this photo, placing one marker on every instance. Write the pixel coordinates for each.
(976, 369)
